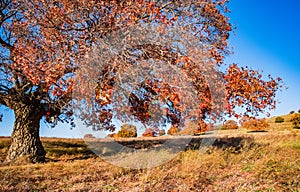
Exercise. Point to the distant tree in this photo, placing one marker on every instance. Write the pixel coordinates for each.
(230, 124)
(161, 132)
(254, 124)
(89, 136)
(189, 128)
(173, 130)
(203, 126)
(127, 131)
(113, 135)
(292, 112)
(150, 132)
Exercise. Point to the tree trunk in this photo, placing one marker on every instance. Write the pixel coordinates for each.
(26, 145)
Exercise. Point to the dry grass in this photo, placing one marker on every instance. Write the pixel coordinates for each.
(286, 125)
(287, 118)
(249, 162)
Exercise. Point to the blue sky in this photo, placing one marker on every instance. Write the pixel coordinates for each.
(267, 38)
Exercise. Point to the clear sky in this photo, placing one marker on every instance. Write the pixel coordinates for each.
(267, 38)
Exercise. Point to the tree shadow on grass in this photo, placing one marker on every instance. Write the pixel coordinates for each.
(257, 131)
(235, 144)
(65, 150)
(69, 151)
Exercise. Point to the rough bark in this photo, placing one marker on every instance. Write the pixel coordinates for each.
(26, 145)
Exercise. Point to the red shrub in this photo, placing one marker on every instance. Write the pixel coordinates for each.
(161, 132)
(230, 124)
(254, 124)
(89, 136)
(173, 130)
(149, 133)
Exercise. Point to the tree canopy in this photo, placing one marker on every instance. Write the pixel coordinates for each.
(51, 50)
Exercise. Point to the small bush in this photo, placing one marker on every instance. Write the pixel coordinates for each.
(153, 132)
(161, 132)
(203, 127)
(189, 128)
(279, 120)
(292, 112)
(113, 135)
(254, 124)
(230, 124)
(149, 133)
(127, 131)
(173, 130)
(89, 136)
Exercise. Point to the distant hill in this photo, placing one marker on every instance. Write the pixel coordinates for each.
(287, 118)
(287, 124)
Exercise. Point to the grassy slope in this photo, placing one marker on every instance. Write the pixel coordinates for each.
(261, 162)
(286, 125)
(238, 161)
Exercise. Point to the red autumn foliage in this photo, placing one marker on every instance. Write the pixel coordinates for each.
(161, 132)
(230, 124)
(254, 124)
(173, 130)
(113, 135)
(42, 43)
(149, 133)
(245, 88)
(89, 136)
(46, 45)
(203, 127)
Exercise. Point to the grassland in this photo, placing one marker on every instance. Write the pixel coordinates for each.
(238, 161)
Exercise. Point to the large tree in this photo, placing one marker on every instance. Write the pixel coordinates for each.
(41, 42)
(45, 44)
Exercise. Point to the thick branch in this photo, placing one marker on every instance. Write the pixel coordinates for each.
(5, 44)
(5, 99)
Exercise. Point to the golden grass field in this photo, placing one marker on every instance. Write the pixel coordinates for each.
(238, 161)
